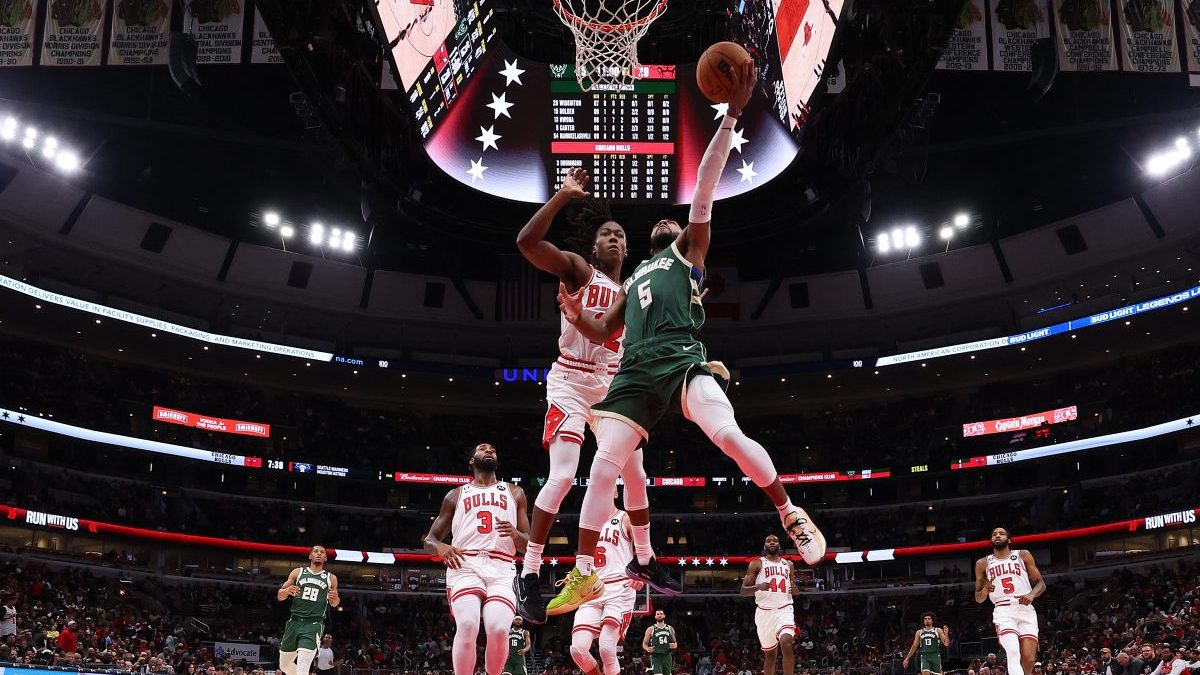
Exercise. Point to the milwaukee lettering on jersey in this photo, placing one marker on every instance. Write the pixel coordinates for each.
(484, 499)
(663, 263)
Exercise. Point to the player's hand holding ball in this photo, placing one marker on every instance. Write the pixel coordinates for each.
(451, 555)
(726, 74)
(505, 528)
(575, 184)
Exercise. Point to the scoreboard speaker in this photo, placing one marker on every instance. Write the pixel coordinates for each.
(298, 276)
(1071, 239)
(931, 276)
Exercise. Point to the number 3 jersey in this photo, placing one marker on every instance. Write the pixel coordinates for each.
(778, 574)
(478, 515)
(1009, 578)
(314, 595)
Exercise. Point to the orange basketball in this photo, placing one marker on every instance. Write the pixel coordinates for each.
(717, 70)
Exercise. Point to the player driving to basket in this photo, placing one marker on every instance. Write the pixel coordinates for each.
(663, 361)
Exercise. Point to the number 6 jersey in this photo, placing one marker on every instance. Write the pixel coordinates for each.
(477, 515)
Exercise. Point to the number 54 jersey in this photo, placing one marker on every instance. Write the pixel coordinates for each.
(488, 567)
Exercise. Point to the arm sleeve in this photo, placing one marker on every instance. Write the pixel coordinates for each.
(709, 173)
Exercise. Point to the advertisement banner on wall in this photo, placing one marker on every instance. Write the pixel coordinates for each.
(1191, 39)
(17, 18)
(216, 26)
(73, 33)
(1016, 26)
(1000, 426)
(1148, 42)
(1085, 35)
(237, 651)
(140, 34)
(225, 426)
(262, 44)
(967, 47)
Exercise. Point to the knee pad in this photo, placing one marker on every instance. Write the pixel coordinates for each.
(707, 405)
(551, 496)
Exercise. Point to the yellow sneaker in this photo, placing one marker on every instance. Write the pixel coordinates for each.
(577, 589)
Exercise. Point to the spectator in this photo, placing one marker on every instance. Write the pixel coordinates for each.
(1171, 664)
(8, 618)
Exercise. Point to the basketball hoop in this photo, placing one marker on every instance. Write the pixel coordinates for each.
(606, 38)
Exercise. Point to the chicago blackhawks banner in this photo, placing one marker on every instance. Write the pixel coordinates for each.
(1191, 39)
(140, 33)
(1085, 35)
(16, 31)
(1148, 36)
(73, 33)
(216, 25)
(967, 47)
(1016, 25)
(262, 45)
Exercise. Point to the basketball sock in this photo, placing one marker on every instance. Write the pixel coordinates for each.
(1011, 643)
(465, 611)
(497, 619)
(784, 509)
(533, 558)
(287, 662)
(641, 544)
(610, 635)
(304, 659)
(585, 564)
(581, 650)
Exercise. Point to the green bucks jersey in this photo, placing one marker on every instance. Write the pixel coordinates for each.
(314, 595)
(516, 642)
(661, 639)
(929, 643)
(662, 297)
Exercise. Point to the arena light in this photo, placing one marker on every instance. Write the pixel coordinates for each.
(67, 161)
(8, 133)
(287, 231)
(316, 234)
(962, 220)
(882, 243)
(946, 233)
(1166, 161)
(348, 242)
(50, 147)
(271, 218)
(912, 237)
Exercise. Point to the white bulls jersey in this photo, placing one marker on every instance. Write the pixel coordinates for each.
(598, 294)
(479, 511)
(614, 550)
(778, 574)
(1009, 578)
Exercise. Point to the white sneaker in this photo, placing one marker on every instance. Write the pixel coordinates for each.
(804, 533)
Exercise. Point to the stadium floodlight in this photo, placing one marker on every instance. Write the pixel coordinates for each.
(335, 241)
(287, 231)
(316, 234)
(31, 132)
(1182, 143)
(897, 238)
(8, 133)
(961, 220)
(29, 142)
(67, 161)
(947, 233)
(912, 238)
(10, 122)
(882, 243)
(271, 218)
(48, 151)
(348, 242)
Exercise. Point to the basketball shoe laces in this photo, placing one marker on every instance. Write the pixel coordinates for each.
(802, 538)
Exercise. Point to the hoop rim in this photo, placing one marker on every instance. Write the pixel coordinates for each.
(569, 17)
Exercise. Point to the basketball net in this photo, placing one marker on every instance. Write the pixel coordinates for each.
(606, 38)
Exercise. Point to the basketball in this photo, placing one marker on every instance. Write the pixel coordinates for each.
(717, 70)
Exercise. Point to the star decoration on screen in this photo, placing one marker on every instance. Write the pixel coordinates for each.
(500, 105)
(21, 419)
(724, 562)
(4, 415)
(747, 171)
(489, 137)
(553, 562)
(696, 562)
(512, 73)
(722, 110)
(709, 562)
(682, 562)
(738, 140)
(476, 170)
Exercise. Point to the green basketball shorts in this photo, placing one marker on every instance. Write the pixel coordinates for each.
(301, 634)
(651, 378)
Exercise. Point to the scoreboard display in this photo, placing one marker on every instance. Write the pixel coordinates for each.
(623, 136)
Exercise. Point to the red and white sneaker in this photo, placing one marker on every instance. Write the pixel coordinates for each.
(804, 533)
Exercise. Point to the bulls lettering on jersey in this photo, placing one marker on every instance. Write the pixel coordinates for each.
(1009, 578)
(778, 574)
(614, 551)
(478, 511)
(597, 296)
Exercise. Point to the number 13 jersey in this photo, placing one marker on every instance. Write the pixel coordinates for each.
(478, 515)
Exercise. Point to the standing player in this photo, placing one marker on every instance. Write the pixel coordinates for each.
(929, 641)
(1012, 580)
(664, 362)
(311, 589)
(488, 523)
(659, 642)
(579, 378)
(607, 616)
(519, 645)
(772, 582)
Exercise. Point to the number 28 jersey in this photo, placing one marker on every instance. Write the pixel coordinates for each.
(314, 595)
(662, 297)
(477, 515)
(1009, 578)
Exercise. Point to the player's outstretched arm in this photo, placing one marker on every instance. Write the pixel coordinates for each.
(694, 240)
(598, 330)
(289, 587)
(569, 267)
(435, 539)
(1035, 575)
(982, 586)
(334, 598)
(748, 585)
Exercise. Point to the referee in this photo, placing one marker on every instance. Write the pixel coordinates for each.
(327, 661)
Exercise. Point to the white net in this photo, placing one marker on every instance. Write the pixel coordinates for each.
(606, 38)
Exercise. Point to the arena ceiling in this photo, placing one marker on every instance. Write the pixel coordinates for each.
(908, 144)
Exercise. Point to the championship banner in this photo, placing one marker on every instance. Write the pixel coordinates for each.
(262, 44)
(1085, 35)
(1016, 25)
(1056, 416)
(1191, 39)
(217, 26)
(220, 424)
(73, 33)
(1148, 36)
(140, 33)
(967, 47)
(17, 18)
